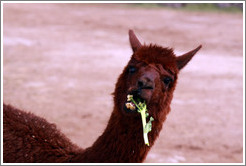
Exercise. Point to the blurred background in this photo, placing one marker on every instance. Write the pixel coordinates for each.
(61, 61)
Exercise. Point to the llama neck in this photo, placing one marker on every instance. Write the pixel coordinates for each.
(122, 141)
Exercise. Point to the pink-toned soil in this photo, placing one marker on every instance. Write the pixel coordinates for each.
(61, 62)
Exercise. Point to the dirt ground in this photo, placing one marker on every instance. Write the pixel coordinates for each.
(61, 61)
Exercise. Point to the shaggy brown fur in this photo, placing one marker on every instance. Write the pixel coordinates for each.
(151, 75)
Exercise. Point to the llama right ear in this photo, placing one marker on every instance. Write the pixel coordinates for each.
(135, 43)
(182, 60)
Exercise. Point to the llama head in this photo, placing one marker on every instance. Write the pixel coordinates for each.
(150, 76)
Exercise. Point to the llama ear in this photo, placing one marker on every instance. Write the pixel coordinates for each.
(135, 43)
(182, 60)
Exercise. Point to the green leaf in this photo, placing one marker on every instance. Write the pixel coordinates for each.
(148, 126)
(142, 109)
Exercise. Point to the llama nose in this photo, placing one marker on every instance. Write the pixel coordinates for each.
(145, 83)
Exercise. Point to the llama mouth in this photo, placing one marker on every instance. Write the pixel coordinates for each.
(129, 105)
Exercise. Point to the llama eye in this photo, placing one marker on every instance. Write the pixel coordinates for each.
(167, 80)
(132, 69)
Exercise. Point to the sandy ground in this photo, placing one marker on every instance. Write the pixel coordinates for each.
(61, 61)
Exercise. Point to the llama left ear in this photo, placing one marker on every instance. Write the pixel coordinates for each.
(135, 43)
(182, 60)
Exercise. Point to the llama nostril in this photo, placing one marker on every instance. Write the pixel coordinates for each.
(140, 83)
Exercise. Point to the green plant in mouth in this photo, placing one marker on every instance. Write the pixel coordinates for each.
(142, 109)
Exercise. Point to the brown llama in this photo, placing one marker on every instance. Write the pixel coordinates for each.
(150, 76)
